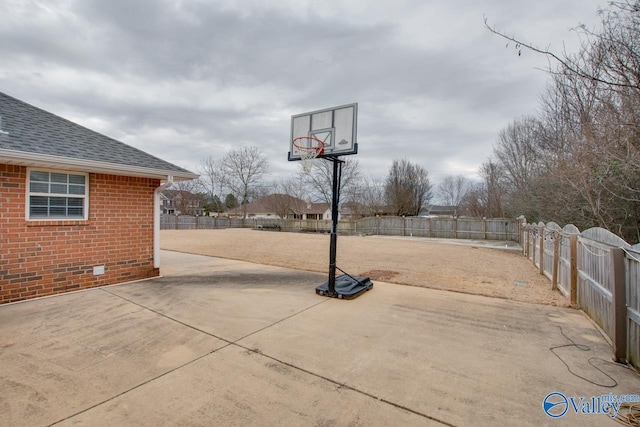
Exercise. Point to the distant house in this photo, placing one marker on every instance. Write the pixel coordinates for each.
(309, 210)
(167, 204)
(354, 210)
(77, 209)
(439, 210)
(283, 206)
(180, 202)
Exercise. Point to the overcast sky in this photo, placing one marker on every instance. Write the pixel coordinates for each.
(185, 80)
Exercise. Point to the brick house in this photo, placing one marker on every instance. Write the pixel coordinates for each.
(77, 209)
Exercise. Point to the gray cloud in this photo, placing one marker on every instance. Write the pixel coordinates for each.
(185, 80)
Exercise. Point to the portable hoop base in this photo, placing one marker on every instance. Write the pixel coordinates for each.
(346, 287)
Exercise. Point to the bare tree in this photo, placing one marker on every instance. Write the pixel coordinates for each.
(493, 175)
(517, 152)
(293, 187)
(452, 190)
(407, 187)
(516, 149)
(587, 148)
(368, 196)
(211, 178)
(243, 168)
(318, 181)
(475, 201)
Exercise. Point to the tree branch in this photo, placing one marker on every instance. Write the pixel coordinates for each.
(566, 64)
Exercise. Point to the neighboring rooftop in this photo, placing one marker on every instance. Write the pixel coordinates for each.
(31, 135)
(281, 204)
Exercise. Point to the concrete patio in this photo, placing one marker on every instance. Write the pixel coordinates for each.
(220, 342)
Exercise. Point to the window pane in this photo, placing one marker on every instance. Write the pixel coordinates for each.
(38, 201)
(58, 188)
(38, 207)
(39, 187)
(76, 179)
(39, 176)
(57, 206)
(58, 211)
(75, 213)
(38, 212)
(76, 189)
(75, 202)
(59, 177)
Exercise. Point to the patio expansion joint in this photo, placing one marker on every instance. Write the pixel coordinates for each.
(341, 385)
(228, 342)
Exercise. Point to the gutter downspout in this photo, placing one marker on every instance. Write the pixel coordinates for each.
(156, 220)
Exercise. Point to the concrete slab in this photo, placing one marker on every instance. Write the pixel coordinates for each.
(228, 299)
(460, 359)
(62, 354)
(218, 342)
(237, 387)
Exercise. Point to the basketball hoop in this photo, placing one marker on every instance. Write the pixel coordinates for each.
(309, 148)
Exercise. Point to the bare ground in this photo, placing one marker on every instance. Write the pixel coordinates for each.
(417, 262)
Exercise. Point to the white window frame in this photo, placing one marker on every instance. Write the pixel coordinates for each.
(84, 197)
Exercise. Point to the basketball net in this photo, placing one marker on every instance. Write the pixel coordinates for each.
(309, 148)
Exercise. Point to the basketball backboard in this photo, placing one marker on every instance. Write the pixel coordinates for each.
(336, 127)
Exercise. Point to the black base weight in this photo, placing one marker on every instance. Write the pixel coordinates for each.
(347, 287)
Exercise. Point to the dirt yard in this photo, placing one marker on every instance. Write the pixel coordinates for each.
(416, 262)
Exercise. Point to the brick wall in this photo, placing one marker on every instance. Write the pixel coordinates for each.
(49, 257)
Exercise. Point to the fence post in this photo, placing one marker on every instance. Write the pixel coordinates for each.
(533, 247)
(619, 294)
(556, 260)
(520, 231)
(541, 260)
(428, 227)
(574, 269)
(455, 228)
(527, 248)
(484, 227)
(404, 226)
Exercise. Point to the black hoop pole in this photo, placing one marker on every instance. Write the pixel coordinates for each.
(335, 198)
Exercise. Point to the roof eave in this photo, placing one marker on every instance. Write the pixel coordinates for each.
(25, 158)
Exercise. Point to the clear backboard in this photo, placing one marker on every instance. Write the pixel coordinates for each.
(336, 127)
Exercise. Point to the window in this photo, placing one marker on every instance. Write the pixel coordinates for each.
(57, 195)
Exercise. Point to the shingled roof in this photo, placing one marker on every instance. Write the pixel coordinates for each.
(34, 137)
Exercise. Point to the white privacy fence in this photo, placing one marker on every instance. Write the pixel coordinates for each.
(598, 272)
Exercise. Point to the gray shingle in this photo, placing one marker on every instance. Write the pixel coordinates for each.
(33, 130)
